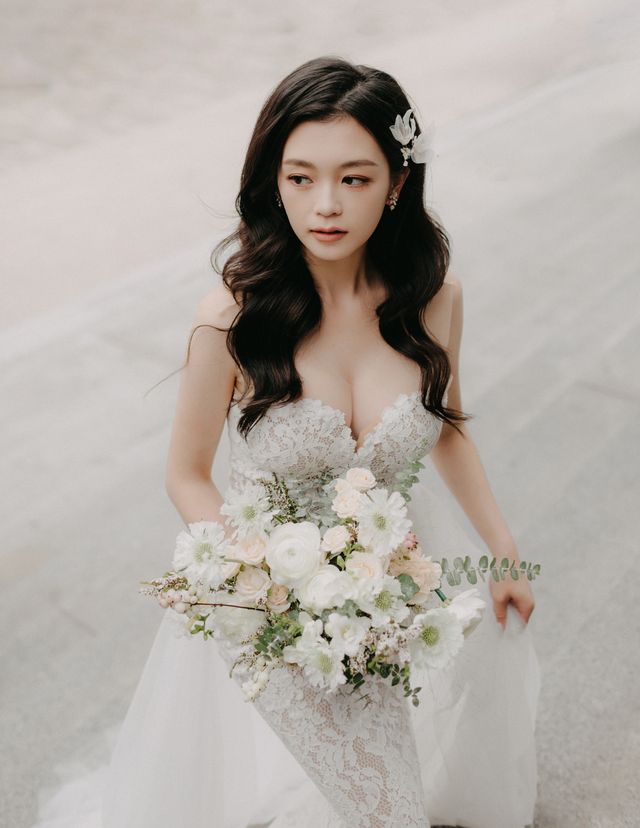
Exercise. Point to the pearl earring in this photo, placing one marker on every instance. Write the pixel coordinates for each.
(393, 200)
(278, 202)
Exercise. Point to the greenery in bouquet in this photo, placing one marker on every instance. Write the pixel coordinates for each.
(343, 596)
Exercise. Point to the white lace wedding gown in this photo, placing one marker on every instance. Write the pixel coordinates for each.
(192, 752)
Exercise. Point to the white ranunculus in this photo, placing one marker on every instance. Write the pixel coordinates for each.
(328, 587)
(293, 553)
(200, 552)
(469, 607)
(335, 539)
(252, 585)
(346, 633)
(382, 521)
(360, 479)
(235, 623)
(438, 640)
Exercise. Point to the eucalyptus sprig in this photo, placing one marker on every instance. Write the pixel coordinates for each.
(498, 571)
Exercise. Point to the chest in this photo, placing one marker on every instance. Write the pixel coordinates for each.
(348, 364)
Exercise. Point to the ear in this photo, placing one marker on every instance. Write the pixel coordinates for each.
(399, 179)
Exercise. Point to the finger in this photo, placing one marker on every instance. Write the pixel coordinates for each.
(525, 608)
(500, 609)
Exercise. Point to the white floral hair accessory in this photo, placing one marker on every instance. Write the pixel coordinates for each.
(404, 131)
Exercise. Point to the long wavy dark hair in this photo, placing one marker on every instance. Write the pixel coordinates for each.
(268, 275)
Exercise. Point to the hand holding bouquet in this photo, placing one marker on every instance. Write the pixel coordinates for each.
(354, 600)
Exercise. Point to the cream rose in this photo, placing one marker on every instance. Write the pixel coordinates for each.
(251, 550)
(347, 502)
(252, 584)
(335, 539)
(367, 571)
(293, 553)
(425, 572)
(277, 598)
(360, 479)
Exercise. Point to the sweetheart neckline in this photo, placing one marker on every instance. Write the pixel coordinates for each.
(402, 397)
(346, 428)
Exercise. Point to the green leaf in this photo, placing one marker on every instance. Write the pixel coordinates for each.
(472, 577)
(495, 575)
(444, 565)
(409, 586)
(458, 564)
(504, 564)
(483, 563)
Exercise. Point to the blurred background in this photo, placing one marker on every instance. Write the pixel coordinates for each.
(123, 128)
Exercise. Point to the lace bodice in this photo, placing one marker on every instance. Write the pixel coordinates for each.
(363, 759)
(308, 442)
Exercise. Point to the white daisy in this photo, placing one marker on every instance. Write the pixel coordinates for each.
(347, 634)
(200, 553)
(321, 663)
(385, 604)
(382, 520)
(436, 638)
(248, 508)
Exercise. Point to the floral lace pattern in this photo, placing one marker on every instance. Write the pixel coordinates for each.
(359, 749)
(362, 757)
(307, 442)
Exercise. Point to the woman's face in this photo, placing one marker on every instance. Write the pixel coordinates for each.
(333, 174)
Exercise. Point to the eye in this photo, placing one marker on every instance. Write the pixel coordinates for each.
(362, 181)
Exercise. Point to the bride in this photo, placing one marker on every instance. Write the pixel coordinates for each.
(332, 342)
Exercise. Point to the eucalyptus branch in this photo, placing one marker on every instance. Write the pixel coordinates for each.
(463, 567)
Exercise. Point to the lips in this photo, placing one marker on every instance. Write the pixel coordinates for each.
(329, 235)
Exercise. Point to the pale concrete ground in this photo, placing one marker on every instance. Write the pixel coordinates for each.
(106, 257)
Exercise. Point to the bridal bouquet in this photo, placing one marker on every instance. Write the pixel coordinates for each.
(341, 602)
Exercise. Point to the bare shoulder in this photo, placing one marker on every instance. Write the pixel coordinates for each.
(217, 307)
(442, 309)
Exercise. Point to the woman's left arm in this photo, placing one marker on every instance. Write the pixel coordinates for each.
(456, 459)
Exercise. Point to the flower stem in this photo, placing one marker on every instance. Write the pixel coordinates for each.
(237, 606)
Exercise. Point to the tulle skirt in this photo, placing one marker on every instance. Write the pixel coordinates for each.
(191, 751)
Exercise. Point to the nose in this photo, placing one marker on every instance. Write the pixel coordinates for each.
(328, 202)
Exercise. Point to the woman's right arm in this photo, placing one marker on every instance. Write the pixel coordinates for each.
(206, 388)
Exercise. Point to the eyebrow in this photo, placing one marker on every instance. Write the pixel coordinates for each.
(360, 162)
